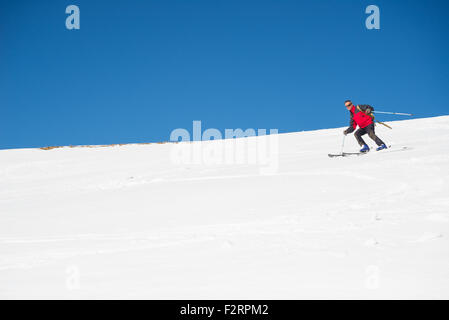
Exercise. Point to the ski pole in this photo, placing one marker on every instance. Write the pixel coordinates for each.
(343, 144)
(384, 124)
(398, 113)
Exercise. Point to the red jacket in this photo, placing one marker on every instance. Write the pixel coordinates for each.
(359, 117)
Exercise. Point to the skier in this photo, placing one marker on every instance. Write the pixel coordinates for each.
(361, 116)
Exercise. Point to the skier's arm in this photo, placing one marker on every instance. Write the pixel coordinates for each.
(352, 126)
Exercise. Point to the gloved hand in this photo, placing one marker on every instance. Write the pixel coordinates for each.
(345, 132)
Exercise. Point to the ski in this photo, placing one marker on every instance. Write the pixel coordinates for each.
(347, 154)
(393, 149)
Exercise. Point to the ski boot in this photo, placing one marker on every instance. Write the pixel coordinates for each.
(381, 147)
(364, 149)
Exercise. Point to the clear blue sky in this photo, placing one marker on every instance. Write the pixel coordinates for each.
(136, 70)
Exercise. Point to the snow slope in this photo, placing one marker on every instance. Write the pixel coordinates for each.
(131, 222)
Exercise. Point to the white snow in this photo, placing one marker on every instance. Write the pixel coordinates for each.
(130, 222)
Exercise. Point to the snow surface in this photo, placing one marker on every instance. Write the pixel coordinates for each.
(130, 222)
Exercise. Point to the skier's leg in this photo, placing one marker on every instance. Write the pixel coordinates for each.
(372, 134)
(358, 135)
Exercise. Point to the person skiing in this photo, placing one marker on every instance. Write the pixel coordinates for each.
(361, 116)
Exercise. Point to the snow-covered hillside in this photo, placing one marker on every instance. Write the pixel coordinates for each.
(133, 222)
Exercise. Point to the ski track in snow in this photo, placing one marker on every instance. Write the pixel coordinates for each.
(115, 243)
(141, 226)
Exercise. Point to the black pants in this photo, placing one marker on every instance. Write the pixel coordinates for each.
(370, 130)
